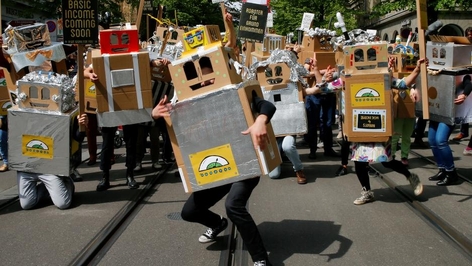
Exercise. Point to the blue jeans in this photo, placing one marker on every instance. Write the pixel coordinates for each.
(287, 145)
(320, 110)
(438, 138)
(4, 145)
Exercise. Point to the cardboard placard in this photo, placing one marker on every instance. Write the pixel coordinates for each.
(252, 22)
(80, 21)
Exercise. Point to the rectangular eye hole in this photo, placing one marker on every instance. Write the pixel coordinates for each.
(277, 98)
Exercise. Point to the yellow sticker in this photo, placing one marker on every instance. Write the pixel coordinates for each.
(4, 107)
(89, 88)
(214, 164)
(368, 94)
(37, 146)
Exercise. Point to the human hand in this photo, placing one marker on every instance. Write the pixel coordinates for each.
(162, 109)
(83, 119)
(414, 95)
(258, 132)
(460, 99)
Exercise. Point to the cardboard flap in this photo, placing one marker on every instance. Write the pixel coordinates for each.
(454, 39)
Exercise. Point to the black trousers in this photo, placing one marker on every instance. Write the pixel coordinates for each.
(108, 135)
(196, 210)
(130, 136)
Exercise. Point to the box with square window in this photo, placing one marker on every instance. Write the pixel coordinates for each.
(116, 41)
(448, 52)
(206, 137)
(204, 71)
(366, 58)
(45, 96)
(204, 36)
(270, 43)
(366, 107)
(43, 142)
(123, 88)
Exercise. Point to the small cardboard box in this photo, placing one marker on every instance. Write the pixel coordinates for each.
(366, 107)
(90, 96)
(27, 37)
(270, 43)
(204, 71)
(177, 35)
(403, 105)
(366, 58)
(124, 94)
(116, 41)
(41, 142)
(206, 137)
(201, 36)
(448, 54)
(45, 96)
(274, 76)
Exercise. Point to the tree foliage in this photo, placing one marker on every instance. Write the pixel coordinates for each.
(386, 6)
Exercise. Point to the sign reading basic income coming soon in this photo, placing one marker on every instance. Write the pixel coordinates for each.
(80, 21)
(252, 22)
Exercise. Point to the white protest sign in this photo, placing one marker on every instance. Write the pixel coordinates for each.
(259, 2)
(306, 21)
(270, 20)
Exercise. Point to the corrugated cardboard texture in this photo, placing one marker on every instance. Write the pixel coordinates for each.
(208, 145)
(366, 58)
(403, 105)
(187, 74)
(35, 128)
(316, 44)
(124, 97)
(366, 106)
(448, 55)
(270, 43)
(176, 36)
(258, 58)
(40, 96)
(201, 36)
(274, 76)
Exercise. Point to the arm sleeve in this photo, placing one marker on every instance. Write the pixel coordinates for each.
(263, 107)
(467, 87)
(76, 134)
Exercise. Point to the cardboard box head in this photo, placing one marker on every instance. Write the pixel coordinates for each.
(176, 35)
(201, 36)
(366, 58)
(28, 37)
(448, 54)
(204, 71)
(115, 41)
(274, 76)
(270, 43)
(317, 44)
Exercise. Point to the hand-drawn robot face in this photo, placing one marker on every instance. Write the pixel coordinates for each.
(194, 38)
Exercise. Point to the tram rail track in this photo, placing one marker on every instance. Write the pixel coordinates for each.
(443, 227)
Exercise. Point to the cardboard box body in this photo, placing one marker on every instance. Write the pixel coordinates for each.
(442, 90)
(124, 81)
(290, 117)
(45, 96)
(366, 58)
(270, 43)
(187, 74)
(206, 137)
(41, 142)
(447, 55)
(27, 37)
(403, 105)
(116, 41)
(366, 107)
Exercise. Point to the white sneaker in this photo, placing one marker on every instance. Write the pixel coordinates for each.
(138, 167)
(467, 152)
(366, 197)
(320, 144)
(416, 184)
(211, 233)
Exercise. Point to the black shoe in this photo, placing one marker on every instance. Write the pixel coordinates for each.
(76, 177)
(132, 184)
(439, 176)
(331, 153)
(450, 179)
(104, 184)
(312, 155)
(341, 171)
